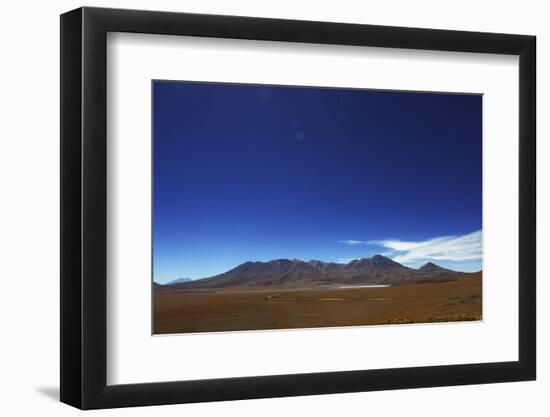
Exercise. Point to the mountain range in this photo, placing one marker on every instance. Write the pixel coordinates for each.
(295, 273)
(179, 281)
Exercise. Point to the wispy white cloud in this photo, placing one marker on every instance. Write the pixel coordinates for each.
(447, 248)
(352, 242)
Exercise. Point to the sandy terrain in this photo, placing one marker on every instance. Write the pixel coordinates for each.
(183, 311)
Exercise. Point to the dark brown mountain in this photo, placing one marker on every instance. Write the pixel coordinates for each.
(433, 268)
(285, 273)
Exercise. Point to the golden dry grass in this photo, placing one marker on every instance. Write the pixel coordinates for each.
(227, 310)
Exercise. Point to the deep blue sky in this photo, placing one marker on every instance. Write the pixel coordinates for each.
(244, 172)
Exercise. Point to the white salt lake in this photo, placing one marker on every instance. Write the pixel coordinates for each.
(364, 286)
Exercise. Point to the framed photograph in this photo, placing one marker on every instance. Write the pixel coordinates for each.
(260, 208)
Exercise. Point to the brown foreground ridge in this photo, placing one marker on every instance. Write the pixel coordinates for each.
(186, 310)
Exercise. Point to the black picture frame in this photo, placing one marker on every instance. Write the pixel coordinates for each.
(84, 207)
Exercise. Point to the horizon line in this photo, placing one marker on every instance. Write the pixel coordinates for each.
(318, 260)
